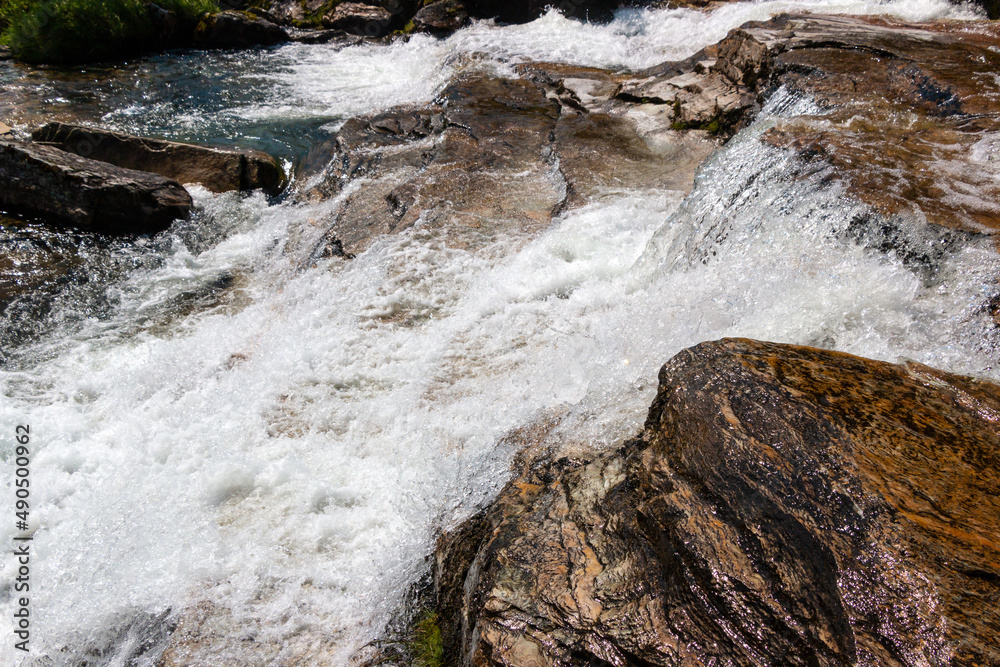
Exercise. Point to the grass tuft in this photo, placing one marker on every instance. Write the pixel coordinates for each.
(427, 647)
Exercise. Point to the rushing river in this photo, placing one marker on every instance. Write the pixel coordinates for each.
(224, 433)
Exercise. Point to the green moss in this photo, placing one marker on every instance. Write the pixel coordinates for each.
(427, 647)
(71, 31)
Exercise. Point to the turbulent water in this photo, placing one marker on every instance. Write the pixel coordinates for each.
(225, 431)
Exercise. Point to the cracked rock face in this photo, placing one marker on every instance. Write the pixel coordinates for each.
(783, 506)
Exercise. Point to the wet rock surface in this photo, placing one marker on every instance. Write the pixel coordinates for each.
(494, 156)
(783, 505)
(217, 169)
(42, 181)
(907, 112)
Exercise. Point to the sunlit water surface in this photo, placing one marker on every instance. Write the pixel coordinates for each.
(220, 427)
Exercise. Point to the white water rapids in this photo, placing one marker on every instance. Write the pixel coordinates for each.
(281, 458)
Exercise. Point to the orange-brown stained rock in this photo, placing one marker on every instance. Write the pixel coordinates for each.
(783, 506)
(909, 117)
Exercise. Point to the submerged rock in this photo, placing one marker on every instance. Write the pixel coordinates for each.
(217, 169)
(67, 189)
(237, 30)
(782, 506)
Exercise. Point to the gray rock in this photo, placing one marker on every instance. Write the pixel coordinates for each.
(70, 190)
(441, 17)
(218, 169)
(493, 157)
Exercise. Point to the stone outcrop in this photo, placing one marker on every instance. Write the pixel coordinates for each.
(494, 156)
(217, 169)
(43, 181)
(237, 30)
(782, 506)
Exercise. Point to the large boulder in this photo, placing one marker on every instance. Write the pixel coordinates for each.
(217, 169)
(67, 189)
(782, 506)
(237, 30)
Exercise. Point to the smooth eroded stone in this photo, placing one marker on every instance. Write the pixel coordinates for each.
(67, 189)
(783, 505)
(491, 157)
(217, 169)
(237, 30)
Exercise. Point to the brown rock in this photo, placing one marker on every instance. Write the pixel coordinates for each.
(43, 181)
(218, 169)
(360, 19)
(908, 110)
(494, 157)
(783, 506)
(237, 30)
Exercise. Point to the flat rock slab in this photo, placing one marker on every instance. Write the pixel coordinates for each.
(492, 158)
(67, 189)
(217, 169)
(783, 506)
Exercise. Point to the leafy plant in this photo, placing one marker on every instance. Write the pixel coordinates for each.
(70, 31)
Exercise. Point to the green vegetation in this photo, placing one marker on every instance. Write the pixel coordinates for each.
(72, 31)
(427, 647)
